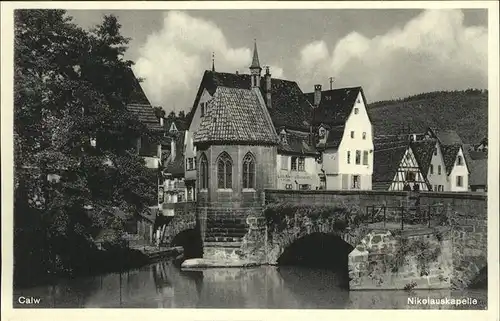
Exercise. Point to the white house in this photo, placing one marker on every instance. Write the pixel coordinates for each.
(441, 155)
(345, 137)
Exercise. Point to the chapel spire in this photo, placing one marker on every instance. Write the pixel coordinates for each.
(255, 68)
(213, 61)
(255, 60)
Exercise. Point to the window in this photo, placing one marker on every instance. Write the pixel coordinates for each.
(301, 165)
(435, 151)
(355, 182)
(190, 194)
(348, 157)
(322, 132)
(180, 197)
(203, 172)
(358, 157)
(202, 105)
(364, 135)
(439, 169)
(224, 172)
(365, 157)
(441, 188)
(460, 160)
(249, 171)
(288, 186)
(460, 181)
(410, 176)
(189, 164)
(352, 134)
(304, 187)
(284, 163)
(294, 163)
(431, 169)
(356, 110)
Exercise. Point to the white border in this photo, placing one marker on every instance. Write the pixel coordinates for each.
(248, 314)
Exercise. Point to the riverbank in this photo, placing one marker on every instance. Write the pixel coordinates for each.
(98, 262)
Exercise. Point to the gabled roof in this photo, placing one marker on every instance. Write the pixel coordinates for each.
(297, 143)
(289, 107)
(446, 136)
(176, 166)
(450, 153)
(423, 151)
(386, 162)
(236, 115)
(335, 105)
(479, 172)
(139, 105)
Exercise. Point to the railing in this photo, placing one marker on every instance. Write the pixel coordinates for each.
(406, 216)
(174, 186)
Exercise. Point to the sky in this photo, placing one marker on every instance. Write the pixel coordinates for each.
(391, 53)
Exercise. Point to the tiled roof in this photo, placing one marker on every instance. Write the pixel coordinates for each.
(139, 105)
(450, 153)
(176, 166)
(145, 113)
(236, 115)
(334, 137)
(476, 155)
(479, 172)
(289, 107)
(335, 105)
(297, 143)
(385, 165)
(423, 151)
(137, 96)
(447, 136)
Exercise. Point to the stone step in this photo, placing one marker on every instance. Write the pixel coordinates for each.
(223, 236)
(227, 230)
(234, 244)
(222, 239)
(225, 221)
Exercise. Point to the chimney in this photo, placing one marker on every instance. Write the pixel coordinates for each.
(161, 121)
(317, 95)
(237, 72)
(268, 87)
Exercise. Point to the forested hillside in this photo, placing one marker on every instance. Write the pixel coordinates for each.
(465, 111)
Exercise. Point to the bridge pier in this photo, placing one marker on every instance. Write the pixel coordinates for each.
(411, 259)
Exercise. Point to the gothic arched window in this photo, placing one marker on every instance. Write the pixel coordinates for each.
(203, 172)
(249, 171)
(224, 171)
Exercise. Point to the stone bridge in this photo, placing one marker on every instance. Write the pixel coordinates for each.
(395, 240)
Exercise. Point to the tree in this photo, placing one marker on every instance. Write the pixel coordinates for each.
(72, 86)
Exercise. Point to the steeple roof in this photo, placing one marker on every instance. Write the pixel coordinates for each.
(255, 59)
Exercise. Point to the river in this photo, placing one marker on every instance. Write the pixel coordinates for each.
(162, 285)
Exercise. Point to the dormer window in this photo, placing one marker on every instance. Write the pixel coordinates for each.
(283, 136)
(322, 132)
(356, 110)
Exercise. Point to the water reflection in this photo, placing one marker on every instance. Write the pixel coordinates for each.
(161, 285)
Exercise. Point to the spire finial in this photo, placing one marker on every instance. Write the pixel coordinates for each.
(213, 61)
(255, 60)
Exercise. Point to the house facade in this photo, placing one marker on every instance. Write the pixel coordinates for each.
(442, 156)
(297, 162)
(345, 137)
(396, 168)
